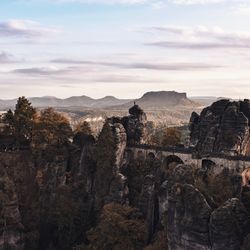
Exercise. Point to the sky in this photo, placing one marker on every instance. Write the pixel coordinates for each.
(124, 47)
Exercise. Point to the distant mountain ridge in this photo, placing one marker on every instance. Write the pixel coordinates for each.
(74, 101)
(157, 100)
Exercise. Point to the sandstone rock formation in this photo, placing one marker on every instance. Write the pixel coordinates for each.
(51, 200)
(229, 225)
(222, 128)
(11, 228)
(134, 125)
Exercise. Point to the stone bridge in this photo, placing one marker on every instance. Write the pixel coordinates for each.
(168, 155)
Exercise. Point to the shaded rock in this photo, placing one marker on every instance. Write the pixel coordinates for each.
(246, 243)
(163, 201)
(188, 217)
(182, 174)
(228, 226)
(11, 228)
(118, 190)
(148, 204)
(134, 125)
(87, 164)
(245, 197)
(222, 128)
(114, 187)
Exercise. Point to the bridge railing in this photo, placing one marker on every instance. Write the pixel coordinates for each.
(191, 150)
(164, 149)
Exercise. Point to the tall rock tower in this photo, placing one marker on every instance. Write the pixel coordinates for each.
(134, 125)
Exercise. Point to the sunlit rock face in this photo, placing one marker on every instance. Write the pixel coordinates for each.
(121, 140)
(223, 128)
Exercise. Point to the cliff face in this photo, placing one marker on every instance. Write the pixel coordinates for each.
(164, 100)
(222, 128)
(18, 191)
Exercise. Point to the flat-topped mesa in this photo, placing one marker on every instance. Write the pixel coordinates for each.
(223, 128)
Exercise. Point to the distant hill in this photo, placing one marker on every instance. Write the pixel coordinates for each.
(206, 100)
(166, 107)
(150, 100)
(162, 100)
(74, 101)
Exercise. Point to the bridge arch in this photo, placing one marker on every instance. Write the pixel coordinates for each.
(151, 156)
(171, 161)
(207, 164)
(140, 155)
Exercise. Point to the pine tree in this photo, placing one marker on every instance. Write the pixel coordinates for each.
(23, 119)
(8, 120)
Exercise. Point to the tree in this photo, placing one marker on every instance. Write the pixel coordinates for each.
(120, 227)
(51, 129)
(171, 137)
(8, 120)
(83, 127)
(24, 116)
(105, 162)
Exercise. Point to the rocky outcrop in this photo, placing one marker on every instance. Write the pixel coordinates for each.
(194, 221)
(222, 128)
(87, 165)
(148, 204)
(188, 217)
(134, 125)
(246, 243)
(121, 144)
(188, 212)
(11, 228)
(229, 224)
(114, 182)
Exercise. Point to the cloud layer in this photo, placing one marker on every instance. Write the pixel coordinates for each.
(26, 29)
(7, 58)
(200, 37)
(142, 65)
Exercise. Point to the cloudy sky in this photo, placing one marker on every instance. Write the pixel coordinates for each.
(124, 47)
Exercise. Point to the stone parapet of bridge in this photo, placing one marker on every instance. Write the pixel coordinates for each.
(188, 156)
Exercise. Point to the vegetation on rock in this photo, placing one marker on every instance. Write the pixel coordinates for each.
(119, 227)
